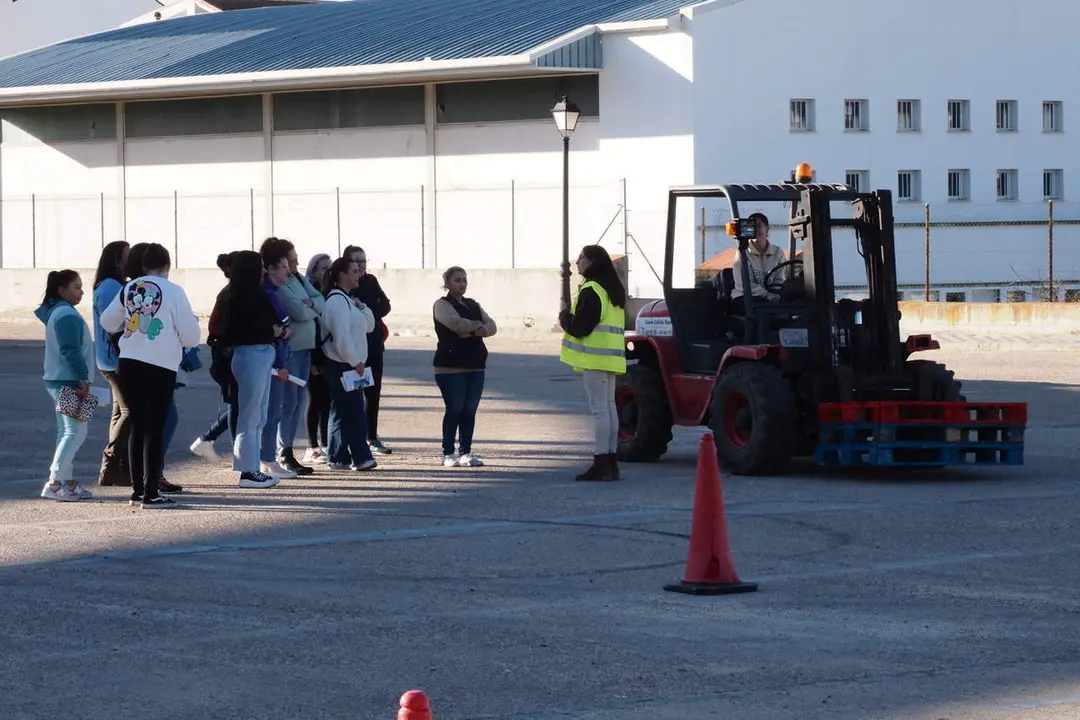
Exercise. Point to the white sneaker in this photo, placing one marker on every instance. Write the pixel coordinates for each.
(204, 449)
(470, 460)
(275, 470)
(63, 493)
(84, 493)
(450, 461)
(315, 456)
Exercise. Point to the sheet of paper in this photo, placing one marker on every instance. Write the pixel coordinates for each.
(292, 378)
(352, 380)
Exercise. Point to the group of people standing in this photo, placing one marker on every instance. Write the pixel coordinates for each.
(273, 333)
(277, 338)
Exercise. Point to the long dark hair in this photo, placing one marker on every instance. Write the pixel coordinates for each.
(58, 279)
(156, 257)
(108, 267)
(245, 273)
(338, 268)
(224, 261)
(602, 271)
(134, 266)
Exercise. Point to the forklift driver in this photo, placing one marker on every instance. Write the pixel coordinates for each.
(763, 258)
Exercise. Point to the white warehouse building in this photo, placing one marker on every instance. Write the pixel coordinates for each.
(423, 131)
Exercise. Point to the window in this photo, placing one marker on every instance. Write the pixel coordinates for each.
(1053, 116)
(959, 185)
(375, 107)
(506, 100)
(802, 115)
(1006, 116)
(908, 114)
(1007, 182)
(62, 123)
(204, 116)
(858, 180)
(1053, 184)
(907, 185)
(857, 115)
(956, 296)
(959, 115)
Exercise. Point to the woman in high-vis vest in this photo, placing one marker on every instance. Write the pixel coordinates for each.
(593, 344)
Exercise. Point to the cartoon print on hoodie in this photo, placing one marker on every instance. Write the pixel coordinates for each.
(143, 301)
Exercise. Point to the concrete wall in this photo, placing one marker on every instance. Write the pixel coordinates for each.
(882, 52)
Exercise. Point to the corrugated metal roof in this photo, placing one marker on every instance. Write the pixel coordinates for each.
(325, 35)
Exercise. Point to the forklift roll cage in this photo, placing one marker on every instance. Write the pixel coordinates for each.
(811, 223)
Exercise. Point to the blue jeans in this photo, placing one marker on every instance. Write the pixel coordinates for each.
(461, 394)
(70, 435)
(251, 366)
(348, 422)
(292, 400)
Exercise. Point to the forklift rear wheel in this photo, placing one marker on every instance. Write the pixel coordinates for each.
(754, 421)
(935, 382)
(644, 414)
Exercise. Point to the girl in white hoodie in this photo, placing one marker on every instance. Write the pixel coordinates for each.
(345, 324)
(157, 322)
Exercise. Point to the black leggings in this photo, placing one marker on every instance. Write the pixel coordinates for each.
(372, 396)
(147, 390)
(318, 411)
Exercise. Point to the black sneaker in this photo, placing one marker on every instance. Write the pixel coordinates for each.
(159, 502)
(290, 463)
(167, 488)
(135, 500)
(257, 480)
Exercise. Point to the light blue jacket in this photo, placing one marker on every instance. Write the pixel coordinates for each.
(104, 294)
(69, 349)
(294, 296)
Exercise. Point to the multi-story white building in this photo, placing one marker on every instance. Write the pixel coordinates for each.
(423, 131)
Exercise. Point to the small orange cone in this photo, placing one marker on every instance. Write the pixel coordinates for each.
(709, 568)
(415, 706)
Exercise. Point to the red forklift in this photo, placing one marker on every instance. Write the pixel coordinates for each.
(810, 375)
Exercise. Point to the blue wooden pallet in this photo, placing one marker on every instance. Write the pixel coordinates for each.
(937, 454)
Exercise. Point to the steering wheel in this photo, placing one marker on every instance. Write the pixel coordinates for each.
(777, 287)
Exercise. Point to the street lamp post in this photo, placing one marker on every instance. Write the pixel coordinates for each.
(566, 116)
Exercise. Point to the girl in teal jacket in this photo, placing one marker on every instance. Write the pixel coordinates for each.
(69, 356)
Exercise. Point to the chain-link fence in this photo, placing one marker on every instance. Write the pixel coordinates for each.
(498, 225)
(1024, 253)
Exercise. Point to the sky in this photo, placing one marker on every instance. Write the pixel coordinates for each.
(29, 24)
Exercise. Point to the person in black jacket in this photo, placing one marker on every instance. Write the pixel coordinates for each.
(371, 294)
(460, 361)
(251, 327)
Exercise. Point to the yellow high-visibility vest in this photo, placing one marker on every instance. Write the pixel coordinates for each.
(603, 348)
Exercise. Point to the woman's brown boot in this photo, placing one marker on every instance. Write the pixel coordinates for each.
(613, 466)
(596, 471)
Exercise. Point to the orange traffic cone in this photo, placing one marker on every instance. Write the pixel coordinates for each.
(709, 569)
(415, 706)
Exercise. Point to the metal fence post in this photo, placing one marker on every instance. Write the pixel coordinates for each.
(1050, 250)
(251, 204)
(337, 212)
(703, 233)
(625, 227)
(513, 224)
(176, 228)
(33, 230)
(102, 213)
(423, 228)
(926, 253)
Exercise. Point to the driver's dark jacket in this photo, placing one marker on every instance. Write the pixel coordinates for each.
(761, 264)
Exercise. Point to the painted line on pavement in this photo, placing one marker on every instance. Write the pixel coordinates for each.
(369, 536)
